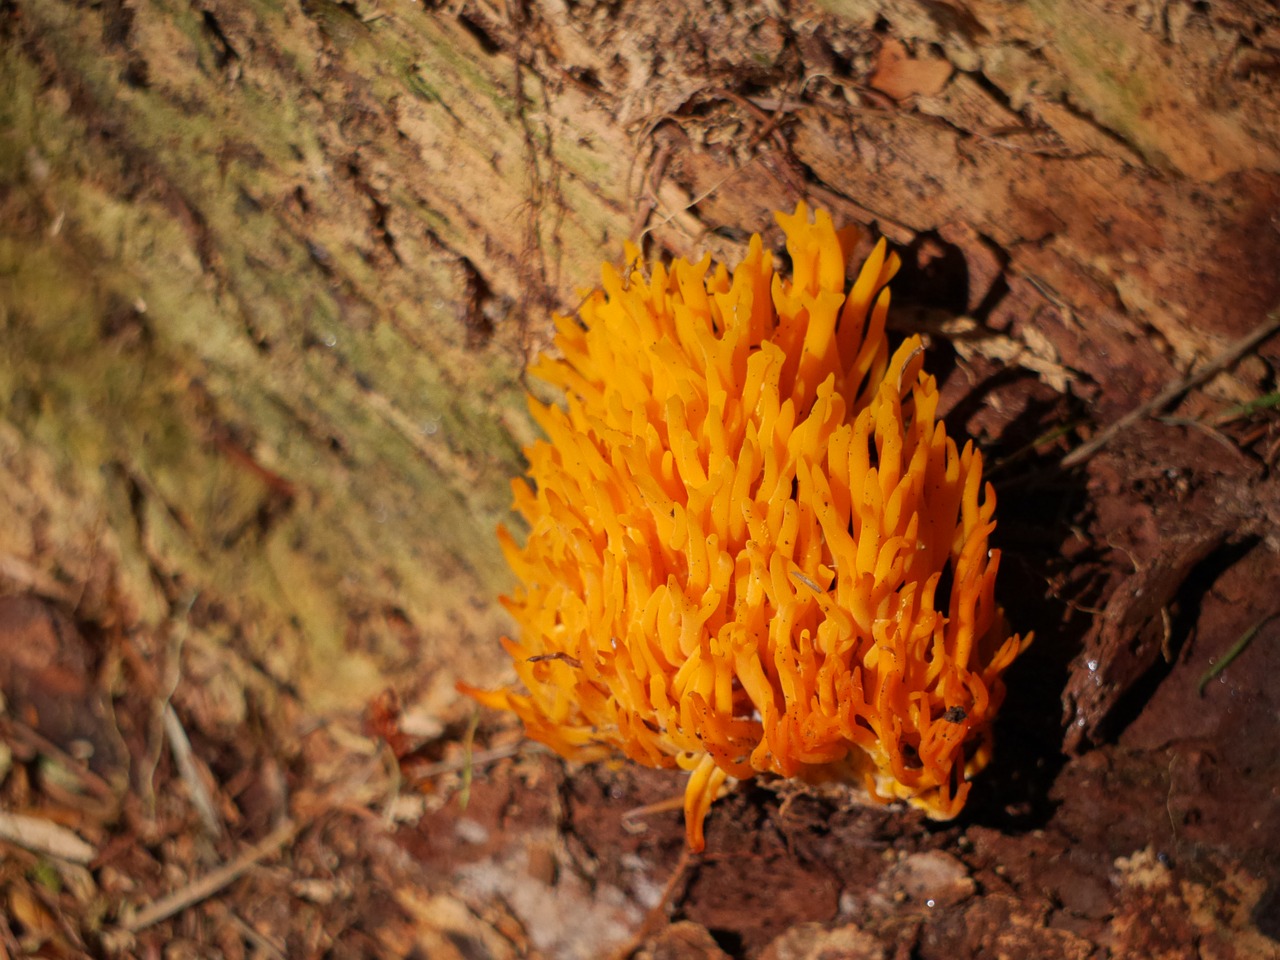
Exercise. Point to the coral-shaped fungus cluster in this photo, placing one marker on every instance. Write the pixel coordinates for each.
(752, 548)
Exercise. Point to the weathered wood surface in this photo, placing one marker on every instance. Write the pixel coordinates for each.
(269, 272)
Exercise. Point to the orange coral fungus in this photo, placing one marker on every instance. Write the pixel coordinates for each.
(752, 547)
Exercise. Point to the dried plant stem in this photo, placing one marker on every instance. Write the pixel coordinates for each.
(180, 746)
(474, 760)
(265, 945)
(1174, 390)
(17, 731)
(656, 917)
(212, 882)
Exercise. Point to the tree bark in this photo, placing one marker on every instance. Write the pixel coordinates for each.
(270, 273)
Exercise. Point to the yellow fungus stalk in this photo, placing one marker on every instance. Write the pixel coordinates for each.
(752, 547)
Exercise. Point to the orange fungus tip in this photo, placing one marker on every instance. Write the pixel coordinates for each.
(752, 548)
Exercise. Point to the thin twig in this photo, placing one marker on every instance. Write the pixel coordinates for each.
(1174, 390)
(212, 882)
(480, 758)
(1191, 424)
(31, 739)
(263, 943)
(1027, 449)
(180, 746)
(654, 919)
(179, 625)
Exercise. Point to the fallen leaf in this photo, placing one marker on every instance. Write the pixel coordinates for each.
(44, 836)
(37, 922)
(901, 75)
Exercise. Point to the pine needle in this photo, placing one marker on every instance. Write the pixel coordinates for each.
(1237, 648)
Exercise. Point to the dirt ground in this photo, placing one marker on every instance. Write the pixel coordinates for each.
(1136, 814)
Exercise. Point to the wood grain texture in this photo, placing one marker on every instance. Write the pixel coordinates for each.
(270, 273)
